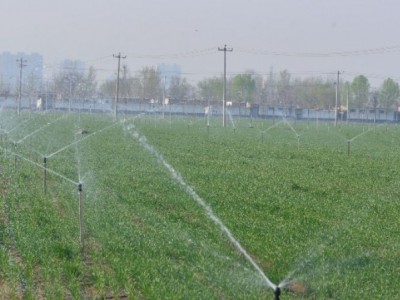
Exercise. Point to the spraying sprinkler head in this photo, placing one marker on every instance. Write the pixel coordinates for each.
(277, 293)
(80, 187)
(45, 160)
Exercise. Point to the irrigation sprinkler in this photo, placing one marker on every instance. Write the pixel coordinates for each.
(5, 145)
(81, 231)
(277, 293)
(45, 174)
(298, 142)
(208, 115)
(15, 155)
(348, 147)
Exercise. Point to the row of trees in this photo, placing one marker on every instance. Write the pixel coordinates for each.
(277, 89)
(281, 89)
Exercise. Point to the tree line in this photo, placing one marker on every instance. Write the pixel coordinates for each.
(276, 89)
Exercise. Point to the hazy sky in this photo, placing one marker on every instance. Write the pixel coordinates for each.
(306, 37)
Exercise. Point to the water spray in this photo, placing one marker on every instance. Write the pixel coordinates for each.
(81, 140)
(268, 129)
(45, 174)
(231, 119)
(38, 130)
(357, 136)
(191, 192)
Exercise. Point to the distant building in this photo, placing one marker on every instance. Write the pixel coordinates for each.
(32, 72)
(73, 65)
(167, 71)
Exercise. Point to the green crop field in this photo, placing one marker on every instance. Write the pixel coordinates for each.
(171, 208)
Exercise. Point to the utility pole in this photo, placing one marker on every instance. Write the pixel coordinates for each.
(348, 108)
(117, 88)
(21, 65)
(337, 94)
(224, 92)
(125, 88)
(163, 99)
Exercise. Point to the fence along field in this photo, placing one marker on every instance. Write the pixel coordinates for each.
(316, 219)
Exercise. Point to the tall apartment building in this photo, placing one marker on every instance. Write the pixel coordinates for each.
(167, 71)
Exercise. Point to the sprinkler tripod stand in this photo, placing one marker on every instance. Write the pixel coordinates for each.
(81, 225)
(277, 293)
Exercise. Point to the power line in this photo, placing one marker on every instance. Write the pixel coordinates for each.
(188, 54)
(211, 51)
(370, 51)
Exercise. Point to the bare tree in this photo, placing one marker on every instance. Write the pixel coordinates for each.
(179, 88)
